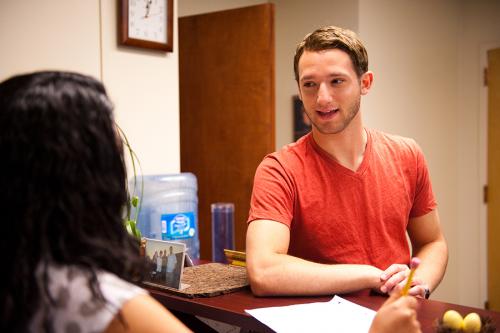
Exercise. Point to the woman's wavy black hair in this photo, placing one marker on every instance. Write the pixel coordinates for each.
(62, 188)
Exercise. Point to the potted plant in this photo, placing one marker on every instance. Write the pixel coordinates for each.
(133, 200)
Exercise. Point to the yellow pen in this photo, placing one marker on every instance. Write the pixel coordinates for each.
(413, 266)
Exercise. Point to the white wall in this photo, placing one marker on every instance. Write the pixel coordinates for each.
(66, 35)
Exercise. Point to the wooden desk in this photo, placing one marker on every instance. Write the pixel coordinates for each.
(230, 308)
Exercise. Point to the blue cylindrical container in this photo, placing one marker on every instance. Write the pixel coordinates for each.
(222, 230)
(169, 209)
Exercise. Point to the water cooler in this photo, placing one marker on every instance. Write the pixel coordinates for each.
(169, 209)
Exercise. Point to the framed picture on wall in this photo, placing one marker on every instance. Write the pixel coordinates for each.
(301, 123)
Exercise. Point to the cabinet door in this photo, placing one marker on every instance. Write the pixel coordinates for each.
(226, 73)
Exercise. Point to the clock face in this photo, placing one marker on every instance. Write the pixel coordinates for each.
(147, 20)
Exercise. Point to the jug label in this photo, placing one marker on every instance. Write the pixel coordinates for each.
(178, 226)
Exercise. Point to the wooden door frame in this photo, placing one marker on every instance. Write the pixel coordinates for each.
(483, 171)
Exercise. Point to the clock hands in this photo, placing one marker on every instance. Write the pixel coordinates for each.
(148, 8)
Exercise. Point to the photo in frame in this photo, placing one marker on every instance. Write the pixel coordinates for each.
(165, 262)
(301, 123)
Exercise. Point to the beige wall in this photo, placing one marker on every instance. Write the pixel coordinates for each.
(40, 35)
(145, 88)
(66, 35)
(479, 31)
(414, 94)
(425, 56)
(195, 7)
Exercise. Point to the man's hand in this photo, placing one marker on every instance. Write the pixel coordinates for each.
(396, 275)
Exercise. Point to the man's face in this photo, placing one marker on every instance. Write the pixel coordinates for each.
(330, 89)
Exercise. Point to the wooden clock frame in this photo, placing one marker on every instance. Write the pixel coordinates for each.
(123, 31)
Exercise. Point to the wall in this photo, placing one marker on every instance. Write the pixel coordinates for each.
(480, 30)
(415, 94)
(194, 7)
(35, 36)
(67, 35)
(145, 87)
(427, 84)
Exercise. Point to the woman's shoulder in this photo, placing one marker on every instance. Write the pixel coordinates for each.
(77, 298)
(77, 281)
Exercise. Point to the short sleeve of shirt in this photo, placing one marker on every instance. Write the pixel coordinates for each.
(424, 201)
(74, 308)
(273, 192)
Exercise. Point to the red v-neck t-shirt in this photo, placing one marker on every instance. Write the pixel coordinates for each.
(340, 216)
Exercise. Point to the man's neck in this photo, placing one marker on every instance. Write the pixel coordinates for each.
(347, 147)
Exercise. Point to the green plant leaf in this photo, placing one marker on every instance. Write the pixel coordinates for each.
(129, 227)
(132, 229)
(135, 201)
(137, 234)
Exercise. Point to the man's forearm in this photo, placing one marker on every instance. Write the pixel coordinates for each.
(434, 258)
(282, 274)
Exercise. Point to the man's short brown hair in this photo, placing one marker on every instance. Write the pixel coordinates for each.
(331, 37)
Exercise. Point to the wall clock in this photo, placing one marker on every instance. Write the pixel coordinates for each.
(146, 23)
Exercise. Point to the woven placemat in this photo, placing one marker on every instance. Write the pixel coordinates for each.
(208, 280)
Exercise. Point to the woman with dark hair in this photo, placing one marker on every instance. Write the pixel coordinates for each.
(70, 264)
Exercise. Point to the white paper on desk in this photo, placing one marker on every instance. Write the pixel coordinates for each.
(338, 315)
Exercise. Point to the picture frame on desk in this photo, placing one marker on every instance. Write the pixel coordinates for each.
(165, 263)
(146, 24)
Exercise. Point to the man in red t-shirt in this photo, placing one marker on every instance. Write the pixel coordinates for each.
(330, 212)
